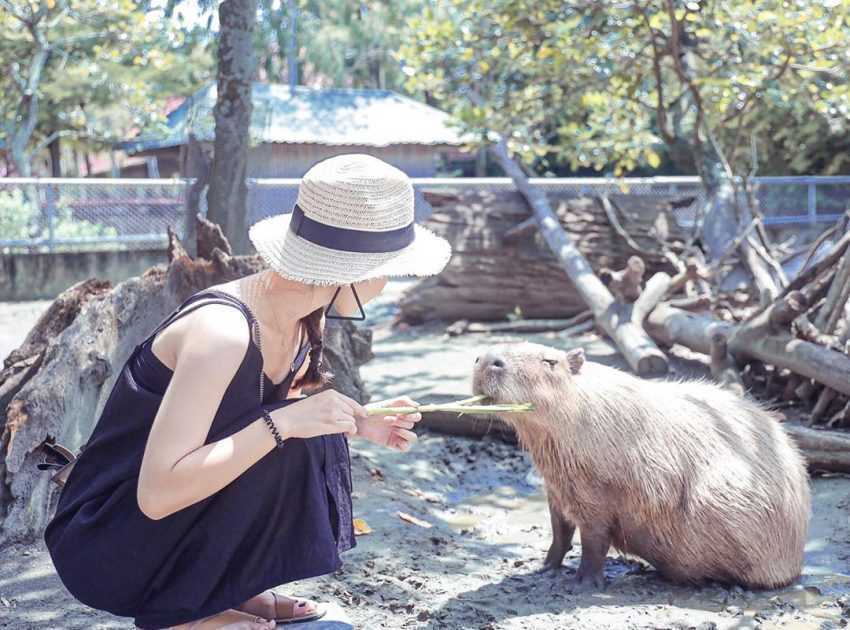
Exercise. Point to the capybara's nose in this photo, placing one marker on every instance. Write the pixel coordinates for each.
(490, 360)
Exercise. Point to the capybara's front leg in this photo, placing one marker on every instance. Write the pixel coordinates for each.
(562, 538)
(595, 542)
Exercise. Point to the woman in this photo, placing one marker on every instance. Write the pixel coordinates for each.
(209, 479)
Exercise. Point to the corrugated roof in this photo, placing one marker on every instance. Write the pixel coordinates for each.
(375, 118)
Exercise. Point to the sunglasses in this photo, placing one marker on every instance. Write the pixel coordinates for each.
(356, 318)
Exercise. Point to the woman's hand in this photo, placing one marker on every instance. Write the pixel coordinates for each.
(391, 431)
(324, 413)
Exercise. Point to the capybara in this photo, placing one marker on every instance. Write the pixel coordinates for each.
(698, 481)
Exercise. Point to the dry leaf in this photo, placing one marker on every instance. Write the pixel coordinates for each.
(361, 527)
(412, 519)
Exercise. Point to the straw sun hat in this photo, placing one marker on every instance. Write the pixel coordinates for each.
(353, 221)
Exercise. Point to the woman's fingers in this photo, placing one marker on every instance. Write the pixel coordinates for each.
(408, 436)
(401, 422)
(353, 406)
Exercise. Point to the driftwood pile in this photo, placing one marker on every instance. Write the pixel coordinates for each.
(787, 342)
(55, 384)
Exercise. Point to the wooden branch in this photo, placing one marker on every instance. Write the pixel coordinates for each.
(827, 319)
(754, 339)
(625, 284)
(787, 309)
(520, 230)
(803, 328)
(791, 385)
(723, 367)
(841, 418)
(827, 262)
(823, 450)
(669, 325)
(695, 272)
(824, 401)
(519, 326)
(655, 290)
(636, 346)
(696, 303)
(611, 213)
(815, 246)
(837, 297)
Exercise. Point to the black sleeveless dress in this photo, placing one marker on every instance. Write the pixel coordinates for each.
(286, 518)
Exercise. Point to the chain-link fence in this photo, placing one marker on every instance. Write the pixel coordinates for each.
(65, 214)
(62, 214)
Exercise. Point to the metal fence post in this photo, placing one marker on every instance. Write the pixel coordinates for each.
(50, 203)
(813, 203)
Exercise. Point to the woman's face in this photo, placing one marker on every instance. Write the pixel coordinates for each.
(367, 290)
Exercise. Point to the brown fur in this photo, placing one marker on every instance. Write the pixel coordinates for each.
(698, 481)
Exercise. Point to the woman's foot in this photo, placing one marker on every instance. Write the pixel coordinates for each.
(229, 620)
(271, 605)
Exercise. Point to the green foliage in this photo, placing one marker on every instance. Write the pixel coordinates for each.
(607, 82)
(110, 67)
(22, 219)
(340, 43)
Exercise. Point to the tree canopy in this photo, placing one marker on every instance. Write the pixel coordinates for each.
(90, 71)
(605, 82)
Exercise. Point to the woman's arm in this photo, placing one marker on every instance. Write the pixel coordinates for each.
(177, 469)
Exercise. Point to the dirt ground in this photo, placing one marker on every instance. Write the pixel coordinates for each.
(474, 567)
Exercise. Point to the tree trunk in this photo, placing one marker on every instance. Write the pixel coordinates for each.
(55, 157)
(228, 192)
(56, 383)
(726, 214)
(640, 351)
(292, 45)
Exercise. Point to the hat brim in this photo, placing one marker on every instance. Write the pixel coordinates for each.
(298, 259)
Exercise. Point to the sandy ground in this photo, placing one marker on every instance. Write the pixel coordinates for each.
(16, 319)
(475, 566)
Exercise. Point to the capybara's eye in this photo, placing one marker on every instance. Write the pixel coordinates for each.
(550, 362)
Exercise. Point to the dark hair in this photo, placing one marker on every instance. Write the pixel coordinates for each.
(315, 376)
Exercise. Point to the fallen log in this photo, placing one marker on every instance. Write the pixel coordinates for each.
(56, 383)
(827, 451)
(755, 339)
(488, 277)
(637, 347)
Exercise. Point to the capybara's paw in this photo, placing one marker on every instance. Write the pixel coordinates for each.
(588, 582)
(554, 559)
(549, 567)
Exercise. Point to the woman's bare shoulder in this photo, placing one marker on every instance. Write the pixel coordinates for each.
(215, 336)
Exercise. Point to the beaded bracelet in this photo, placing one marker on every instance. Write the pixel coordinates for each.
(270, 423)
(279, 441)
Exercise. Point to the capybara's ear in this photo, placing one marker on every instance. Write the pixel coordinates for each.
(575, 359)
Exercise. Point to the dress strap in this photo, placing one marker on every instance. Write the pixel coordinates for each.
(209, 296)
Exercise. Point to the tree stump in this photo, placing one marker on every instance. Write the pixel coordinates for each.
(57, 382)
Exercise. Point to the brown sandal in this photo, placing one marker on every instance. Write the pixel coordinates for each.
(292, 605)
(225, 618)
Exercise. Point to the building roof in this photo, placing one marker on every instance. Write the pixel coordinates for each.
(336, 117)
